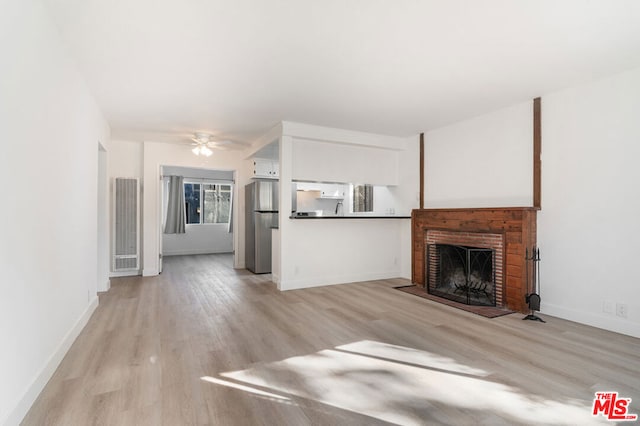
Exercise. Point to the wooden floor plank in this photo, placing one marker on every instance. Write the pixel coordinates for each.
(206, 344)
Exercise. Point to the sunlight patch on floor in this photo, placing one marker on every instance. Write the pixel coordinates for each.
(405, 386)
(244, 388)
(410, 356)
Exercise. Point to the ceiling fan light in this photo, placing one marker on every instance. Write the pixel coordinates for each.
(206, 151)
(201, 138)
(196, 150)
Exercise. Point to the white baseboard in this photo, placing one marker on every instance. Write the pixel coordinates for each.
(191, 252)
(24, 403)
(606, 322)
(337, 279)
(132, 273)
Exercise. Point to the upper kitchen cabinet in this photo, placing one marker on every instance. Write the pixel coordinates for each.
(330, 191)
(264, 156)
(337, 162)
(308, 186)
(265, 169)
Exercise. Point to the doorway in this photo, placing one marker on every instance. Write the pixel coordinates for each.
(208, 198)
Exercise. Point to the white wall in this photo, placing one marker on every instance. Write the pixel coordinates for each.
(199, 239)
(407, 197)
(589, 225)
(383, 201)
(125, 160)
(486, 161)
(50, 128)
(335, 251)
(407, 193)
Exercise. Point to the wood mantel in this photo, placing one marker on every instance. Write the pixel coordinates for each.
(517, 225)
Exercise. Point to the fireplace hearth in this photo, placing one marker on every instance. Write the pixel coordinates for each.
(462, 274)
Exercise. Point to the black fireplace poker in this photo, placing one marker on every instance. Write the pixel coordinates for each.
(533, 299)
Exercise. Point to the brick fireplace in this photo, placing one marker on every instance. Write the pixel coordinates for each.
(507, 231)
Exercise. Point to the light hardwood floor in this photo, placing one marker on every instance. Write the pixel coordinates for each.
(205, 344)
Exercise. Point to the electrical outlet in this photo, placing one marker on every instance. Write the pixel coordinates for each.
(621, 310)
(607, 307)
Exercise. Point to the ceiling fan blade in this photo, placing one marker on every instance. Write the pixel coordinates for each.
(216, 144)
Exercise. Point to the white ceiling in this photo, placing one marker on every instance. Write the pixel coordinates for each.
(163, 69)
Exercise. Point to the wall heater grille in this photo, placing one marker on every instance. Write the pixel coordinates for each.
(126, 230)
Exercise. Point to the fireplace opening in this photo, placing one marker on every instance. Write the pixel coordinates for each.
(462, 274)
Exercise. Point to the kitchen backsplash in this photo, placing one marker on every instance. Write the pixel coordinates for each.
(309, 201)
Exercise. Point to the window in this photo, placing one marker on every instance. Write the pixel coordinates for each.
(216, 203)
(207, 203)
(362, 198)
(192, 202)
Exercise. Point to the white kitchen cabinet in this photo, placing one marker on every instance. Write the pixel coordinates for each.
(308, 186)
(333, 191)
(264, 168)
(336, 162)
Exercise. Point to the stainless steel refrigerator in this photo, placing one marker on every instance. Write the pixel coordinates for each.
(261, 216)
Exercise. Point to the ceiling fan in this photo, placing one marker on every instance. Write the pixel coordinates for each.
(203, 144)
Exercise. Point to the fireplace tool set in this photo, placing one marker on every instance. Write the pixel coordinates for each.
(533, 298)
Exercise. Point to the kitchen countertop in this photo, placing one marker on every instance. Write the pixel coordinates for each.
(349, 217)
